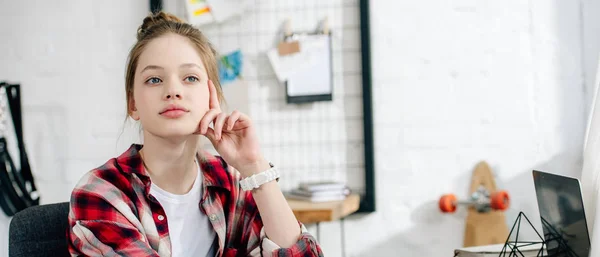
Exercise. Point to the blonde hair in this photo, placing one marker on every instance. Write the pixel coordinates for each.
(159, 24)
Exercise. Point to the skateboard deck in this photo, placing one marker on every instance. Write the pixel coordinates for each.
(487, 227)
(485, 222)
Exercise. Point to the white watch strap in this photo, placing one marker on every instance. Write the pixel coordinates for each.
(256, 180)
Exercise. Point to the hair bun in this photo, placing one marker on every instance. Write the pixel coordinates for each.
(155, 19)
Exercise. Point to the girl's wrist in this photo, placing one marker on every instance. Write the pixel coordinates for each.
(254, 168)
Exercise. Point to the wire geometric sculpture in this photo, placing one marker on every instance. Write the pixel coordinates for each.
(554, 238)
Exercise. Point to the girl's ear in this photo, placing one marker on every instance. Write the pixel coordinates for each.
(132, 110)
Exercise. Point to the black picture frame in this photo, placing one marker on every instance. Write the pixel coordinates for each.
(367, 203)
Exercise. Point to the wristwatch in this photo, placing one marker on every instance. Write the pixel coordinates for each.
(256, 180)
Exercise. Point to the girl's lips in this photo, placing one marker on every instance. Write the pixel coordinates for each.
(174, 113)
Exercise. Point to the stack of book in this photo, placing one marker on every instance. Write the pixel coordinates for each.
(320, 192)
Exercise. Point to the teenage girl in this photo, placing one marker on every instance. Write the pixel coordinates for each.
(168, 197)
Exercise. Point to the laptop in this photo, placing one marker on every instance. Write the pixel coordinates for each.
(560, 203)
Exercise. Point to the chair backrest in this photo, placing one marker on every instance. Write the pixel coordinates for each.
(39, 231)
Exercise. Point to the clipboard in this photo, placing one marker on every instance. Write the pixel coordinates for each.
(314, 82)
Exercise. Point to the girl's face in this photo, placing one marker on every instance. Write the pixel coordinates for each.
(170, 92)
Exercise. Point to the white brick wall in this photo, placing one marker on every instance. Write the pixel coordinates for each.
(454, 83)
(462, 82)
(70, 59)
(591, 46)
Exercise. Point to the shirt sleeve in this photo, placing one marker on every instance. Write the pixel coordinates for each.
(305, 246)
(260, 245)
(301, 248)
(100, 224)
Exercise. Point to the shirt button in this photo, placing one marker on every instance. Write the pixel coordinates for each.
(213, 217)
(160, 217)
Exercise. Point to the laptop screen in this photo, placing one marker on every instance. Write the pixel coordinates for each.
(563, 218)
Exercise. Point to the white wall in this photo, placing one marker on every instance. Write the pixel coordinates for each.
(454, 83)
(591, 46)
(463, 81)
(69, 57)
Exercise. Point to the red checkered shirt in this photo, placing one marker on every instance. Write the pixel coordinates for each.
(113, 214)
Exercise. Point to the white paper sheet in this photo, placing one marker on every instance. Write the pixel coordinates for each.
(314, 76)
(285, 66)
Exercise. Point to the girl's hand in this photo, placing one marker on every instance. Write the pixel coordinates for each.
(233, 136)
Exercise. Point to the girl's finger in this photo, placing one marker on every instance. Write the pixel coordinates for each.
(219, 122)
(210, 134)
(214, 97)
(235, 115)
(207, 119)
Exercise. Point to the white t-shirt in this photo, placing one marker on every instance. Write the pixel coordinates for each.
(190, 230)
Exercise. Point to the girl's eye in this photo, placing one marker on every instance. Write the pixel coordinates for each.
(153, 81)
(191, 79)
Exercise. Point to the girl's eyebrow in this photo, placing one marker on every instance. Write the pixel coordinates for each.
(152, 67)
(190, 65)
(185, 65)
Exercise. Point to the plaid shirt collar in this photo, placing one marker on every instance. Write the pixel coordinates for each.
(131, 162)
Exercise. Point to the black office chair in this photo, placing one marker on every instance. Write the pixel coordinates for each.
(39, 231)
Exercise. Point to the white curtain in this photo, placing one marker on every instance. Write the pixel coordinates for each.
(590, 176)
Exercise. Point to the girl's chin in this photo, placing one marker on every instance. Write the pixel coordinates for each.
(176, 133)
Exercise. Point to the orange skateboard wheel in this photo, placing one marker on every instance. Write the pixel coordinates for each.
(500, 200)
(447, 203)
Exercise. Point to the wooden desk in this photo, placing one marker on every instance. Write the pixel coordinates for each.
(309, 212)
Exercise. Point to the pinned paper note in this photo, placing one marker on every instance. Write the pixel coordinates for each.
(198, 12)
(230, 67)
(310, 50)
(314, 77)
(223, 10)
(306, 73)
(284, 66)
